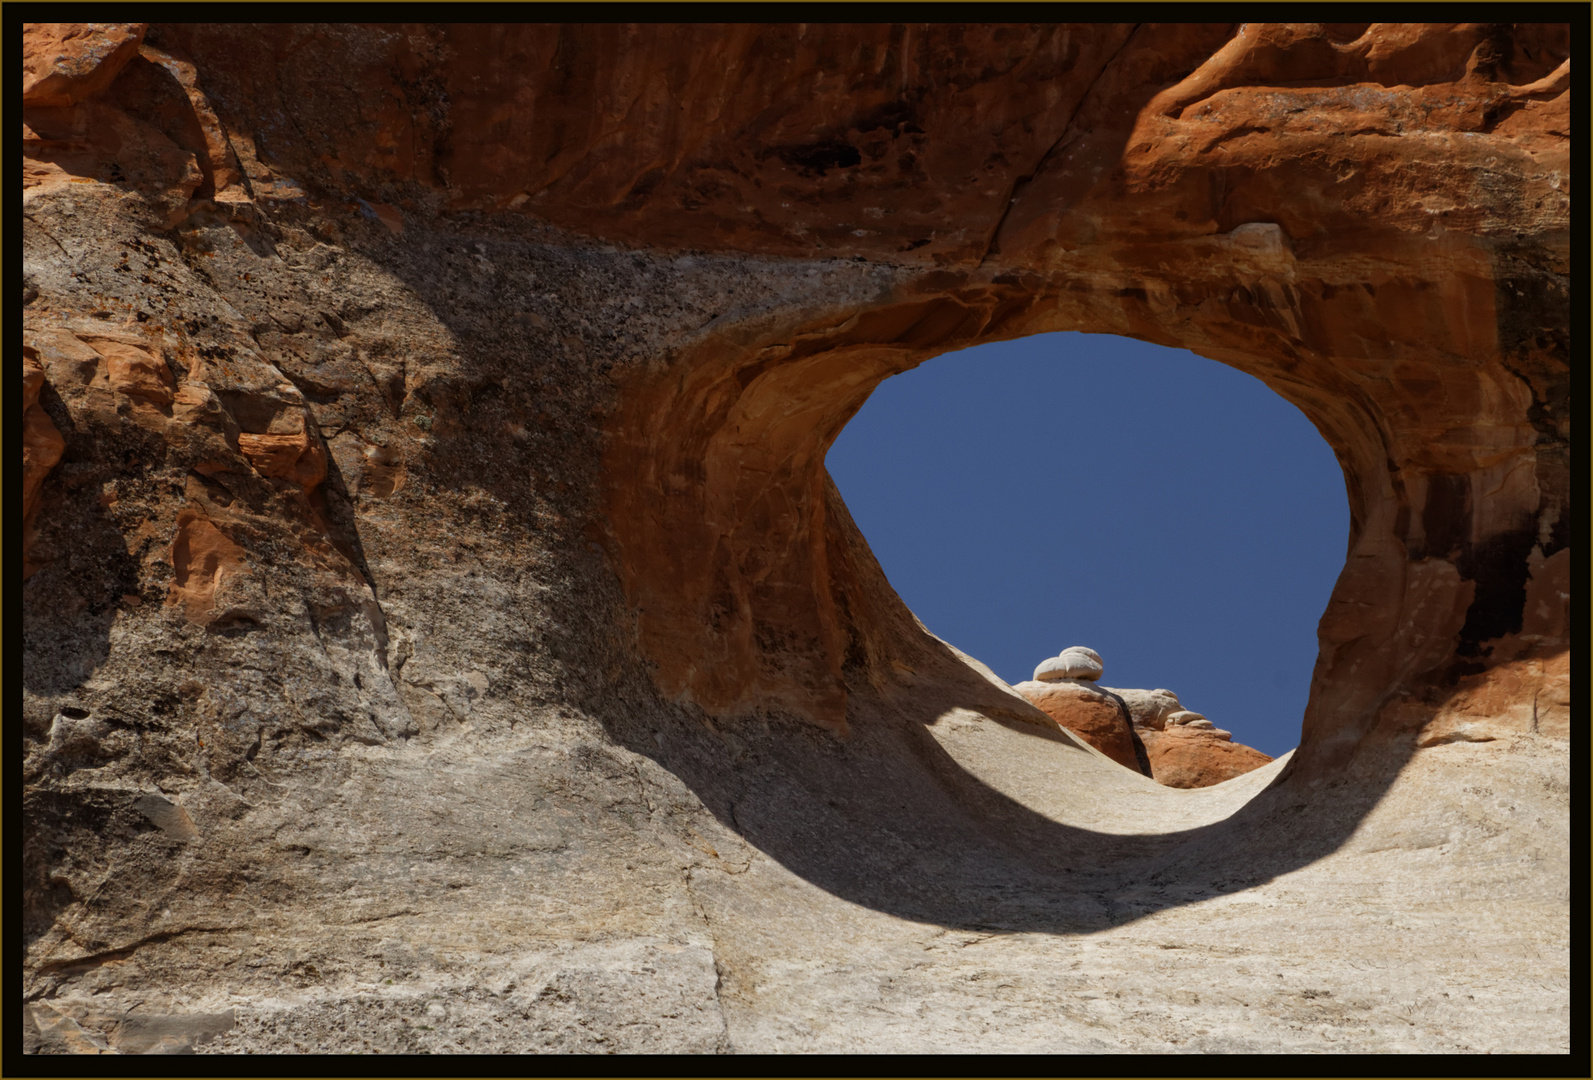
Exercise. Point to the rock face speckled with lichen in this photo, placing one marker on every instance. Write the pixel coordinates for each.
(440, 633)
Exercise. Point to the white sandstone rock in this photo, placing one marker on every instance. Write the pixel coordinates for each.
(1079, 687)
(1081, 663)
(1184, 717)
(1051, 670)
(1149, 708)
(1075, 662)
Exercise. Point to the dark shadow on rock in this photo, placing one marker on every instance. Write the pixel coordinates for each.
(70, 603)
(889, 820)
(334, 504)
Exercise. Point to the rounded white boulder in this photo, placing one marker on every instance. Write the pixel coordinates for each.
(1081, 663)
(1051, 670)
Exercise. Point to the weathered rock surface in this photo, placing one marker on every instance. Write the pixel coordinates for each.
(41, 449)
(1147, 708)
(1175, 746)
(441, 526)
(51, 1029)
(1089, 712)
(63, 63)
(1193, 756)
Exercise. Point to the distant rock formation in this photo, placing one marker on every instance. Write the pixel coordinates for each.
(1095, 715)
(1185, 749)
(1148, 731)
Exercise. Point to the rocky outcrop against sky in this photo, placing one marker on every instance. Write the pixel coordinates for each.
(440, 634)
(1148, 731)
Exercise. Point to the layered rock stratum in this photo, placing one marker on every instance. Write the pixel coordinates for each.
(440, 632)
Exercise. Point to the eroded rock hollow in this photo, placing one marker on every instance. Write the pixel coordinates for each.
(440, 630)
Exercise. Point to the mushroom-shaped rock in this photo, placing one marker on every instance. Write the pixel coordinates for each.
(1074, 662)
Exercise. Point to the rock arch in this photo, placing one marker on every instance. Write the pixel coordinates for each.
(1227, 227)
(499, 363)
(1371, 219)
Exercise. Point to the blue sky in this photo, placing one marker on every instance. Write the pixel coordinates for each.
(1170, 512)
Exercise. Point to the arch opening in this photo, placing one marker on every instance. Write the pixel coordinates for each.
(1171, 512)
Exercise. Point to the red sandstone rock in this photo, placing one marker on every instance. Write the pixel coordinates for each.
(194, 403)
(96, 140)
(1094, 716)
(1182, 755)
(135, 372)
(295, 457)
(1185, 757)
(203, 559)
(63, 63)
(167, 86)
(1530, 695)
